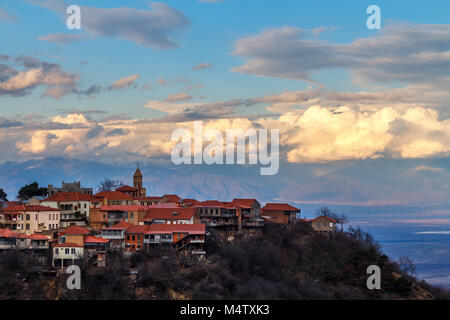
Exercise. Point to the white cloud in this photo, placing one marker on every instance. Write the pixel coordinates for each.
(124, 82)
(385, 58)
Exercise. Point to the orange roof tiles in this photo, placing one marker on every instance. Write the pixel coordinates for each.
(176, 228)
(126, 189)
(69, 196)
(25, 208)
(120, 225)
(113, 195)
(137, 229)
(246, 202)
(75, 230)
(92, 239)
(37, 236)
(280, 207)
(169, 213)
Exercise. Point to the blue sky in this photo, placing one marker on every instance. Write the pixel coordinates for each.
(115, 90)
(209, 37)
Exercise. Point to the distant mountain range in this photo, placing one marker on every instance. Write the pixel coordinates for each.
(422, 183)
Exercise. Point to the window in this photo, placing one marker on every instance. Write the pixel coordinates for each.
(85, 205)
(73, 251)
(128, 238)
(62, 239)
(67, 250)
(27, 217)
(56, 251)
(133, 238)
(27, 226)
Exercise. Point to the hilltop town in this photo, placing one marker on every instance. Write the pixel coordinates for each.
(133, 246)
(72, 222)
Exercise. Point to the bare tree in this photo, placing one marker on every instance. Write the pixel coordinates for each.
(340, 219)
(109, 185)
(407, 265)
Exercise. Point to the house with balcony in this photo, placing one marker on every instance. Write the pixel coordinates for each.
(187, 239)
(230, 215)
(280, 213)
(29, 219)
(111, 198)
(108, 215)
(170, 215)
(75, 243)
(116, 234)
(134, 238)
(74, 206)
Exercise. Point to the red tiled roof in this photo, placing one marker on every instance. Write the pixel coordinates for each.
(25, 208)
(212, 203)
(113, 195)
(173, 198)
(169, 213)
(92, 239)
(136, 229)
(332, 220)
(176, 228)
(191, 201)
(279, 207)
(7, 233)
(147, 198)
(120, 225)
(37, 236)
(126, 189)
(245, 202)
(75, 230)
(67, 245)
(69, 196)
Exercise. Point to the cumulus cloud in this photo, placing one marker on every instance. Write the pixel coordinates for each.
(385, 58)
(124, 82)
(315, 135)
(35, 73)
(321, 134)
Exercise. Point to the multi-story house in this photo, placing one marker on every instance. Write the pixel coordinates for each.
(29, 219)
(323, 224)
(187, 239)
(116, 234)
(109, 215)
(74, 206)
(236, 214)
(170, 215)
(74, 243)
(111, 198)
(280, 213)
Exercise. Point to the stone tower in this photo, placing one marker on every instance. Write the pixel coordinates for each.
(137, 182)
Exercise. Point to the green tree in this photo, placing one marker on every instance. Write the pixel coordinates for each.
(31, 190)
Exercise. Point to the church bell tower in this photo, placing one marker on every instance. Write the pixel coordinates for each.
(137, 182)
